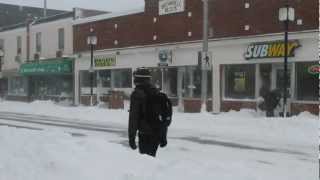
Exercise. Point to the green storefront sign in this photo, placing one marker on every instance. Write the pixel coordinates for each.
(104, 61)
(53, 66)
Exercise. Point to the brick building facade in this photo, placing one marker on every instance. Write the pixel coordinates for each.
(137, 38)
(227, 18)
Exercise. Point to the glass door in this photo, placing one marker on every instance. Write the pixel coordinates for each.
(278, 79)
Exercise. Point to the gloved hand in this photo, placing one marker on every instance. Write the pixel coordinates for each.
(132, 143)
(163, 143)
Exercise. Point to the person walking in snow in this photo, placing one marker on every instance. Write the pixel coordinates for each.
(271, 101)
(151, 132)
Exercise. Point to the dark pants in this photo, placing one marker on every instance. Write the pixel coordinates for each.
(148, 144)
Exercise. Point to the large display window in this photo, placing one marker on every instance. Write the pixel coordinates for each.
(115, 78)
(240, 81)
(18, 86)
(307, 83)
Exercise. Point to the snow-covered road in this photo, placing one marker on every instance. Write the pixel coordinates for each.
(241, 145)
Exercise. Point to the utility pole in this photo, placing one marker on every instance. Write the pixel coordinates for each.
(45, 9)
(204, 57)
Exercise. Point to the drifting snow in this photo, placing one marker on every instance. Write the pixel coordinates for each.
(235, 145)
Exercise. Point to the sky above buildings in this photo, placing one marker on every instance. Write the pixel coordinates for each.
(107, 5)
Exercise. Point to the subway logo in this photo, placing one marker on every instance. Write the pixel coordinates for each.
(272, 49)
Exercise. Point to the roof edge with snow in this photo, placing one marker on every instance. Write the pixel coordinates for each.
(107, 16)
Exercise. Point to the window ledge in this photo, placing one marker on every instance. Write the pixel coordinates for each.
(305, 102)
(244, 100)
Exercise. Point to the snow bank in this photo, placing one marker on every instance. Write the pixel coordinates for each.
(201, 146)
(232, 125)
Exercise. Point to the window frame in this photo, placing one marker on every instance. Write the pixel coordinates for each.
(61, 39)
(296, 84)
(224, 82)
(19, 45)
(38, 42)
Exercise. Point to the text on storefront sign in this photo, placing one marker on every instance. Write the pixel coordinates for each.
(104, 61)
(271, 49)
(171, 6)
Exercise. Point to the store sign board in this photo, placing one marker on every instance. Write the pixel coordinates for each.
(103, 61)
(165, 57)
(205, 60)
(171, 6)
(315, 69)
(47, 67)
(273, 49)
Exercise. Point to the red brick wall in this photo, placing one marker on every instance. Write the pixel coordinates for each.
(296, 108)
(18, 98)
(237, 105)
(227, 18)
(85, 100)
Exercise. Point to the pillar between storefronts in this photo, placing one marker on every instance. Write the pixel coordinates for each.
(216, 88)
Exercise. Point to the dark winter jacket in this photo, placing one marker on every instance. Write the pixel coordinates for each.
(138, 111)
(272, 99)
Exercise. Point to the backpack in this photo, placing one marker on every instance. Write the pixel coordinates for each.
(159, 110)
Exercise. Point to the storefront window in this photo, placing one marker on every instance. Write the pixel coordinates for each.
(192, 82)
(85, 79)
(156, 79)
(105, 78)
(240, 81)
(171, 81)
(307, 86)
(17, 86)
(122, 78)
(51, 86)
(115, 78)
(165, 79)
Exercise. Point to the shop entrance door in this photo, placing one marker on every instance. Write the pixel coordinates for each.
(277, 82)
(278, 78)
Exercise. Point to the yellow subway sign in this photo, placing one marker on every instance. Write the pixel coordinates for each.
(104, 61)
(273, 49)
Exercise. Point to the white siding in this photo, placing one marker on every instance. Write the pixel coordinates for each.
(49, 38)
(49, 41)
(10, 47)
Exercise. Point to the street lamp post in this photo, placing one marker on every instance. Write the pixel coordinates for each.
(92, 41)
(286, 14)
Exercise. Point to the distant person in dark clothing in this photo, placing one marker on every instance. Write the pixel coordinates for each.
(150, 133)
(271, 101)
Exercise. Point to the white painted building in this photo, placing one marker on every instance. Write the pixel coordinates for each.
(51, 40)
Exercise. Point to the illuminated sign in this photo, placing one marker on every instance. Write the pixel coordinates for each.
(315, 69)
(171, 6)
(274, 49)
(165, 57)
(104, 61)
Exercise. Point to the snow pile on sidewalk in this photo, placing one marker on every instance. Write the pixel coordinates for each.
(31, 155)
(235, 145)
(232, 125)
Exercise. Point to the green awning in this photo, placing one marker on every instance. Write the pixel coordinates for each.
(59, 66)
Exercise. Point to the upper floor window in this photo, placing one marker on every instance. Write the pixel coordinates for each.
(38, 42)
(19, 45)
(61, 39)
